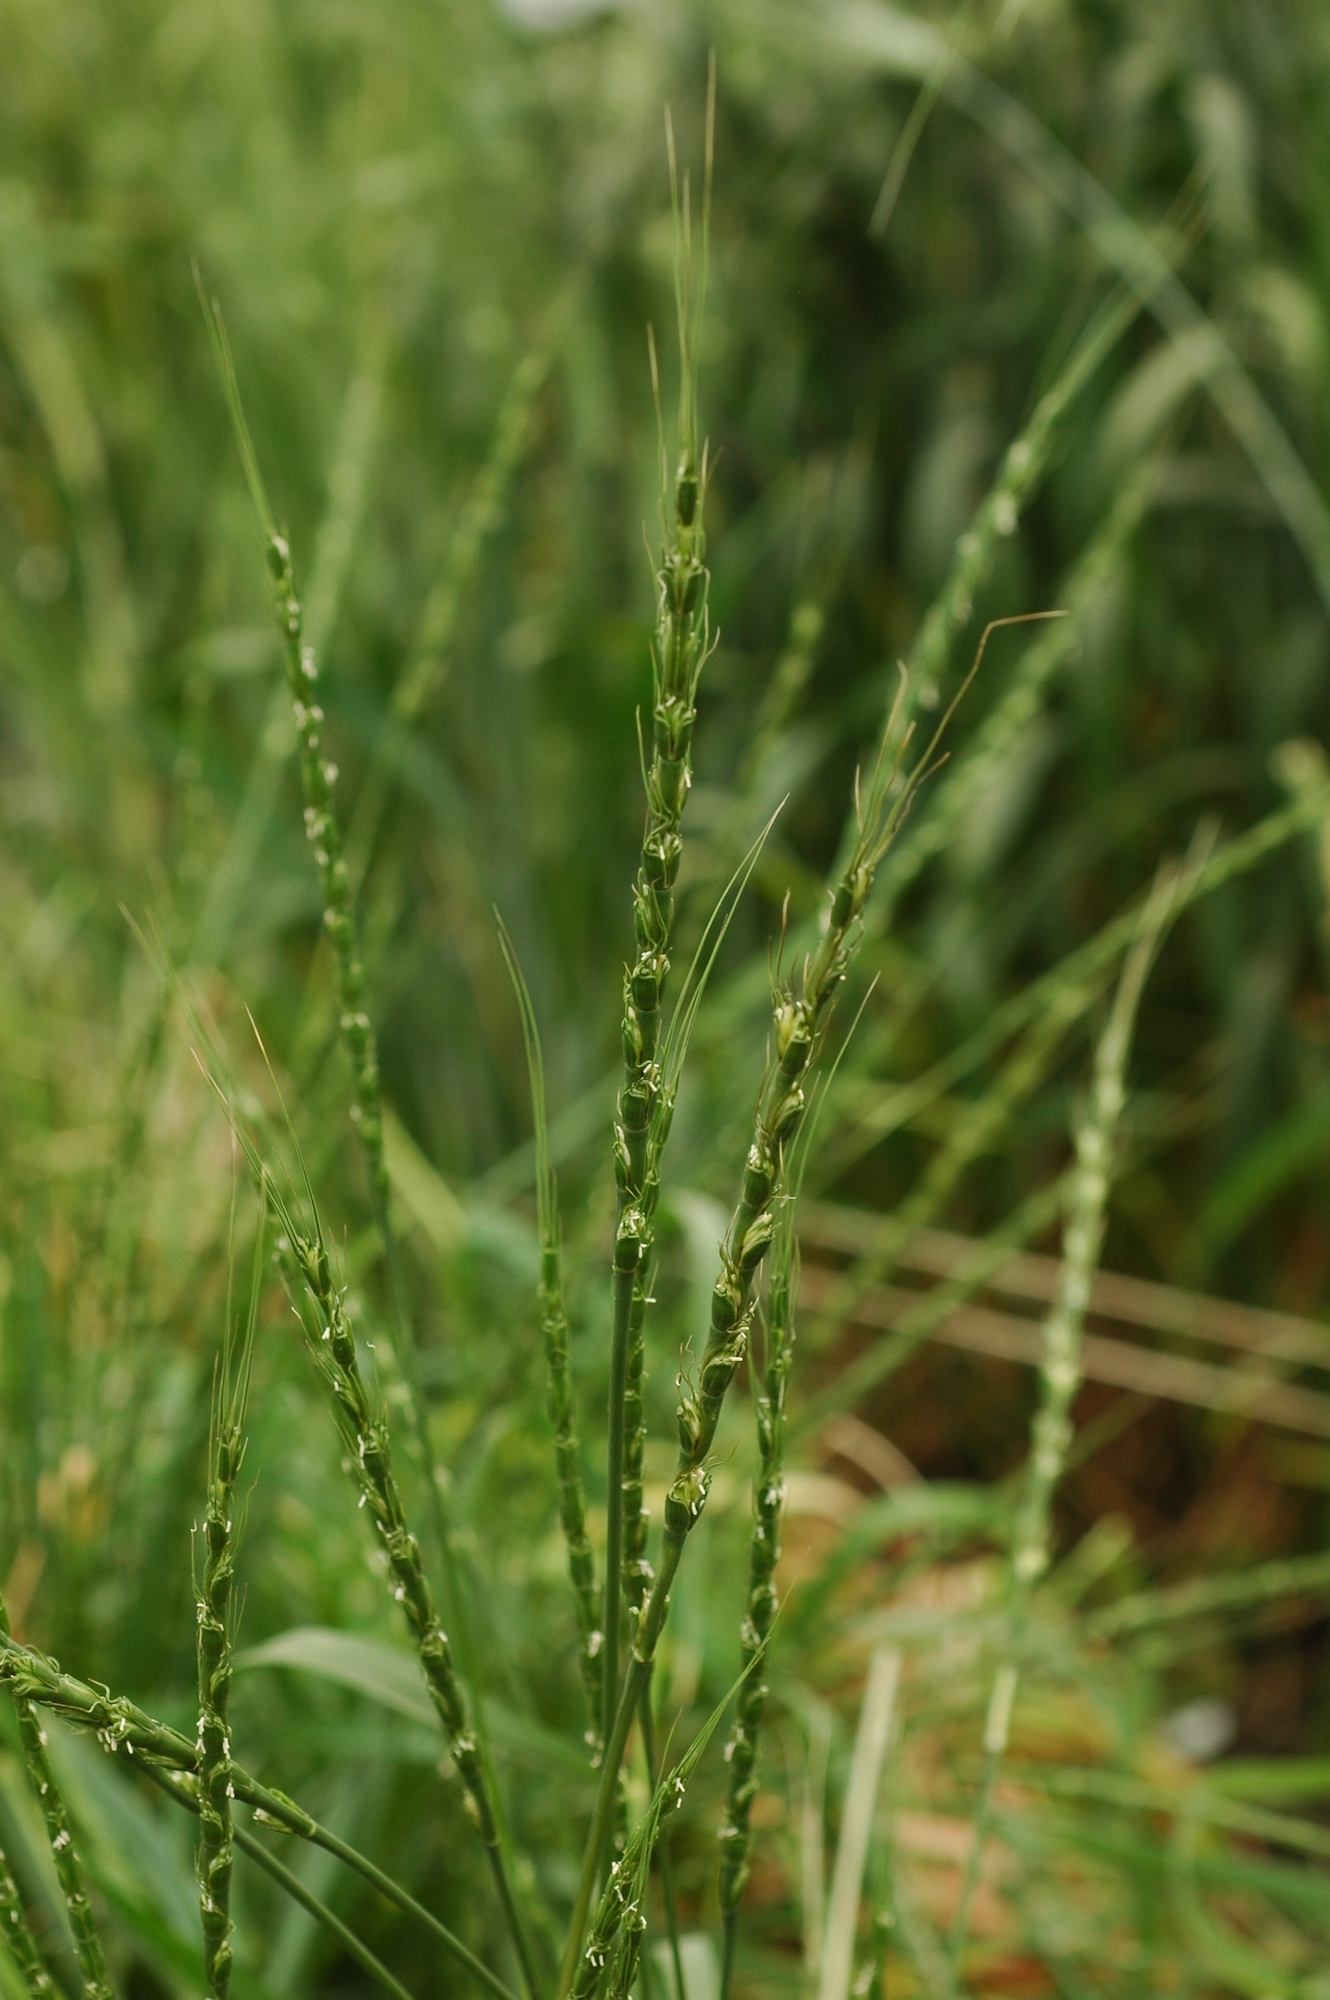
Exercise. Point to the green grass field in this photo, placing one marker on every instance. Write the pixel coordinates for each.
(606, 843)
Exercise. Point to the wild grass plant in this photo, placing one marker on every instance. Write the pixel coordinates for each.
(946, 1739)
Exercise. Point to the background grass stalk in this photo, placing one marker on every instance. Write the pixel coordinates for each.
(976, 1129)
(981, 760)
(1236, 857)
(431, 655)
(998, 515)
(876, 1717)
(1060, 1360)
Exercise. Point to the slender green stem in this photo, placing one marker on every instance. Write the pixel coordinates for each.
(559, 1397)
(668, 1892)
(18, 1937)
(622, 1298)
(68, 1866)
(635, 1683)
(635, 1566)
(614, 1941)
(572, 1495)
(345, 1936)
(762, 1600)
(322, 1837)
(1060, 1372)
(296, 1889)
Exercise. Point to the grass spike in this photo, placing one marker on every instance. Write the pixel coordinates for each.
(682, 643)
(68, 1865)
(761, 1601)
(18, 1938)
(214, 1591)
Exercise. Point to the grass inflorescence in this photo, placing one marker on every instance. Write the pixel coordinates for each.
(69, 1867)
(954, 1670)
(680, 647)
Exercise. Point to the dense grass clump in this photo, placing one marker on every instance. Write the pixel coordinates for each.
(663, 1239)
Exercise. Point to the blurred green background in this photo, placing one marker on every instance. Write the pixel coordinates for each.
(438, 230)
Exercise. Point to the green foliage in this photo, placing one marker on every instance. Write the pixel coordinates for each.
(1011, 308)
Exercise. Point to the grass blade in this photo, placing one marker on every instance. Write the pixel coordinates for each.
(560, 1403)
